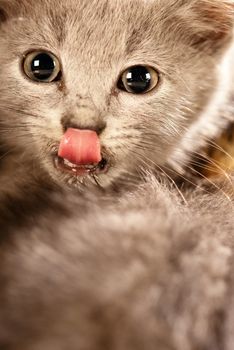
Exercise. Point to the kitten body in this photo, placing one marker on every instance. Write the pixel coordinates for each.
(153, 270)
(162, 281)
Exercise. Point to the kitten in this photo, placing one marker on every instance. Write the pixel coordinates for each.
(136, 79)
(162, 281)
(140, 76)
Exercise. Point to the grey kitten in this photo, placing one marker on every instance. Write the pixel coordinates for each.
(145, 78)
(148, 273)
(84, 272)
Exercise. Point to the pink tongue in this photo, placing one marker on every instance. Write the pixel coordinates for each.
(80, 147)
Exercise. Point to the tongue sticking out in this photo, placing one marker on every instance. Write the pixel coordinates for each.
(80, 147)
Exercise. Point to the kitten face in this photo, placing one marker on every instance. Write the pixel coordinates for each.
(94, 42)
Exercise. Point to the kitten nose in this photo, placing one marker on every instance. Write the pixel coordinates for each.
(84, 121)
(98, 127)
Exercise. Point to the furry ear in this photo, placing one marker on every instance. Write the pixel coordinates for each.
(3, 14)
(217, 18)
(6, 8)
(210, 21)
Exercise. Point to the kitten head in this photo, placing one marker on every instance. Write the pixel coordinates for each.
(138, 73)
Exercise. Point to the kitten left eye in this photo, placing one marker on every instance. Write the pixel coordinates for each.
(42, 67)
(138, 80)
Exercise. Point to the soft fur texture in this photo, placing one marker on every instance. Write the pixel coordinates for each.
(162, 281)
(87, 270)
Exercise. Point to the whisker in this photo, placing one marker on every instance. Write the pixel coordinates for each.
(7, 153)
(141, 156)
(208, 180)
(95, 178)
(211, 162)
(20, 111)
(221, 149)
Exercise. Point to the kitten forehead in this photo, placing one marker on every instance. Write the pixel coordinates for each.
(121, 26)
(108, 27)
(124, 10)
(105, 19)
(29, 4)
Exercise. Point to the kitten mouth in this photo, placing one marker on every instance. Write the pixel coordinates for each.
(79, 153)
(66, 166)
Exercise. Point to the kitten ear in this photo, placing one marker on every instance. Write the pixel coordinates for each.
(213, 22)
(6, 8)
(3, 14)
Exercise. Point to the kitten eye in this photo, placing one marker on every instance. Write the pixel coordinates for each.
(138, 80)
(42, 67)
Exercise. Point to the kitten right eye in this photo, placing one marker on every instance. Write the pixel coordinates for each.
(42, 67)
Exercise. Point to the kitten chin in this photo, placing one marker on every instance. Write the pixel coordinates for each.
(143, 84)
(162, 281)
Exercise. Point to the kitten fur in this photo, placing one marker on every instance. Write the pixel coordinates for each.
(163, 281)
(155, 269)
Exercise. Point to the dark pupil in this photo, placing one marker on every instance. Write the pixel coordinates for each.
(42, 66)
(138, 79)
